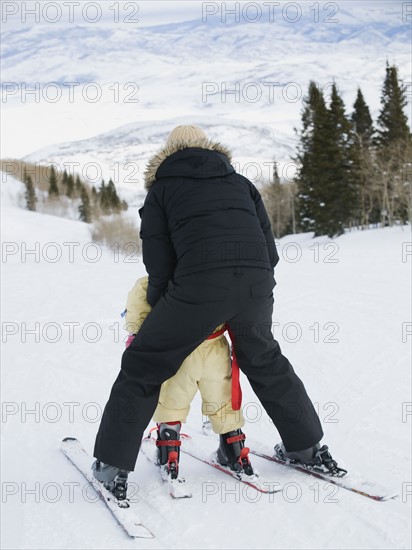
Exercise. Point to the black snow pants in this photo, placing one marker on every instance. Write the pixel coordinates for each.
(192, 307)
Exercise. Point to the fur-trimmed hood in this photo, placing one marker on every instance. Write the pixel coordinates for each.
(158, 158)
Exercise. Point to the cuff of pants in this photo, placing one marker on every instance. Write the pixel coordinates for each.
(164, 414)
(223, 419)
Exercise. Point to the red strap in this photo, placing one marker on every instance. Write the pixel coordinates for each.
(217, 333)
(235, 438)
(168, 442)
(236, 389)
(244, 455)
(172, 457)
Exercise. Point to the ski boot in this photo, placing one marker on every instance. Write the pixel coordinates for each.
(168, 448)
(314, 458)
(233, 453)
(113, 479)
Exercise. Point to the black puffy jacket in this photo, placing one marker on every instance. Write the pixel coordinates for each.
(199, 214)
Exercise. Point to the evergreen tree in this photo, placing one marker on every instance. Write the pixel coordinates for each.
(102, 194)
(339, 193)
(310, 176)
(70, 186)
(366, 210)
(276, 178)
(85, 210)
(94, 202)
(325, 186)
(65, 179)
(362, 120)
(78, 187)
(392, 121)
(393, 144)
(30, 194)
(53, 189)
(104, 198)
(112, 197)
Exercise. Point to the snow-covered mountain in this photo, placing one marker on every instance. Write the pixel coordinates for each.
(112, 91)
(123, 152)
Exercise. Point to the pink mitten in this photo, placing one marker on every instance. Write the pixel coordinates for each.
(130, 339)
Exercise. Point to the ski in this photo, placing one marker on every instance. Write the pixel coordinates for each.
(178, 488)
(255, 481)
(124, 511)
(349, 482)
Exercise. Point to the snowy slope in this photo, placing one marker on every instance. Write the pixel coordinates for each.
(360, 383)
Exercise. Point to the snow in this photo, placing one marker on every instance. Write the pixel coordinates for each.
(342, 316)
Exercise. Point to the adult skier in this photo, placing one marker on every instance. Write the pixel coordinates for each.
(209, 252)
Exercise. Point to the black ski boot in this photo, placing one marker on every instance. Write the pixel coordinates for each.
(314, 458)
(168, 447)
(113, 479)
(233, 453)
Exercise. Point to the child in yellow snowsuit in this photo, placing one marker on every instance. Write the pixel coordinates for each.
(208, 369)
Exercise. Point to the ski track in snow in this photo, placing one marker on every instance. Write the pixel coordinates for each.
(359, 384)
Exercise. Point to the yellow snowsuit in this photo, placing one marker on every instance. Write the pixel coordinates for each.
(207, 368)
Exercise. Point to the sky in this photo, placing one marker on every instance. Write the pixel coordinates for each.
(142, 12)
